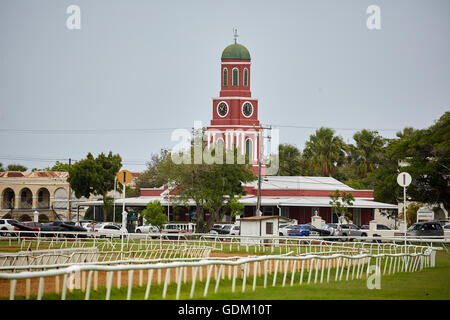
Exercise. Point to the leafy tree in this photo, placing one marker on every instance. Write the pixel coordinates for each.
(213, 187)
(16, 167)
(59, 166)
(290, 160)
(367, 153)
(94, 175)
(324, 151)
(1, 167)
(340, 201)
(428, 161)
(154, 214)
(411, 213)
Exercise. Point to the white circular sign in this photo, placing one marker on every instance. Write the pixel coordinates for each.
(404, 179)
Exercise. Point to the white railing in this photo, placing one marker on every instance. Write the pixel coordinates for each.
(314, 268)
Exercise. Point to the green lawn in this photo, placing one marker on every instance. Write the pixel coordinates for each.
(430, 283)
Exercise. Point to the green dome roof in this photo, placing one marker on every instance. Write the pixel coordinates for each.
(235, 51)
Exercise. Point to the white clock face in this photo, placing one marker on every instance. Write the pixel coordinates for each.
(222, 109)
(247, 109)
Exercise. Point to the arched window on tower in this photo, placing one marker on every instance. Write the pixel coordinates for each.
(249, 149)
(225, 77)
(245, 77)
(235, 77)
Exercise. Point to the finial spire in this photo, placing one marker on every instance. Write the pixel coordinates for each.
(235, 35)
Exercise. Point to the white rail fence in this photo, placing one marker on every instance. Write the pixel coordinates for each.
(254, 272)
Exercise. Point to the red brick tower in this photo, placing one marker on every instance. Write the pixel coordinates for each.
(235, 113)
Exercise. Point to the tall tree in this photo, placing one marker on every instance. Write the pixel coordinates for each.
(290, 160)
(213, 187)
(367, 152)
(94, 175)
(428, 162)
(324, 151)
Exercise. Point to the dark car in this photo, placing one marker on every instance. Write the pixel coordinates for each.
(316, 231)
(35, 225)
(225, 229)
(21, 227)
(63, 226)
(425, 229)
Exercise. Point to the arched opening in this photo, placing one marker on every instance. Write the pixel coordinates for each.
(249, 149)
(26, 199)
(8, 199)
(43, 198)
(225, 77)
(43, 218)
(245, 77)
(235, 77)
(61, 198)
(24, 218)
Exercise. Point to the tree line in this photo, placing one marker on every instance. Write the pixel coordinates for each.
(373, 162)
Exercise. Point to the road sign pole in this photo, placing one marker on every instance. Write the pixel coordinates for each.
(404, 180)
(404, 212)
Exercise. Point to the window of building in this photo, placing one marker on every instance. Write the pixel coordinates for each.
(235, 77)
(267, 211)
(225, 77)
(269, 227)
(245, 77)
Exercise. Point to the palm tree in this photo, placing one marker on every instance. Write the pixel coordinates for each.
(368, 151)
(325, 151)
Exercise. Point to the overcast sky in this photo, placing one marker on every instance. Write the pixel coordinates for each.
(153, 66)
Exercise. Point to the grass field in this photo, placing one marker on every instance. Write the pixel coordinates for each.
(428, 284)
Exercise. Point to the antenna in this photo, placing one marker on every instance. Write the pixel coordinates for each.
(235, 35)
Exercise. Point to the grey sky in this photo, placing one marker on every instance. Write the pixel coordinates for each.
(156, 64)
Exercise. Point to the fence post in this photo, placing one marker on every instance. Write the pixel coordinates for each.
(130, 283)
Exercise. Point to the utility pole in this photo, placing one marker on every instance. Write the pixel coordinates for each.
(260, 155)
(70, 207)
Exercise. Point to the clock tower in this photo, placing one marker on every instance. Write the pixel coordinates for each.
(235, 112)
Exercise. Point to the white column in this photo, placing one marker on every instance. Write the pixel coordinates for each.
(214, 138)
(242, 143)
(227, 136)
(208, 137)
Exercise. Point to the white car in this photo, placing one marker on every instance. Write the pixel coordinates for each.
(147, 228)
(235, 230)
(5, 224)
(108, 230)
(283, 229)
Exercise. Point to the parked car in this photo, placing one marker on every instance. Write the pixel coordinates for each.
(21, 227)
(447, 227)
(35, 225)
(425, 229)
(350, 230)
(216, 229)
(283, 229)
(330, 227)
(63, 226)
(147, 228)
(226, 229)
(235, 230)
(316, 231)
(7, 224)
(298, 230)
(109, 230)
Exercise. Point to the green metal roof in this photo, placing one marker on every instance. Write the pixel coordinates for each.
(235, 51)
